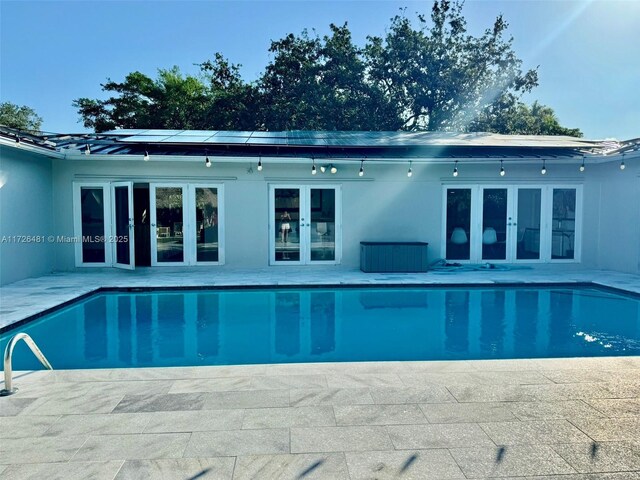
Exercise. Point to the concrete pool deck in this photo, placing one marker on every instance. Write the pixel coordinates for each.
(571, 419)
(560, 419)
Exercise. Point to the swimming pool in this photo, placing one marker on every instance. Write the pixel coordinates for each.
(225, 327)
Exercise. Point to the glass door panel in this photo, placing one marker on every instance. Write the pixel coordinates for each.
(458, 224)
(206, 231)
(494, 223)
(92, 224)
(168, 223)
(563, 225)
(123, 225)
(286, 241)
(528, 223)
(323, 224)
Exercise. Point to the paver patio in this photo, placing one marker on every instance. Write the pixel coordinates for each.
(560, 419)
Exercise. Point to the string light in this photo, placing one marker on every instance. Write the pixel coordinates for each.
(582, 166)
(502, 172)
(323, 168)
(455, 169)
(544, 167)
(259, 164)
(333, 168)
(207, 162)
(622, 165)
(361, 172)
(409, 172)
(313, 167)
(87, 150)
(146, 156)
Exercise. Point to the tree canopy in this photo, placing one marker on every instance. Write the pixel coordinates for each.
(19, 117)
(425, 74)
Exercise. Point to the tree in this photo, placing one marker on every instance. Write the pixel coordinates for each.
(19, 117)
(171, 101)
(318, 83)
(520, 118)
(440, 76)
(430, 74)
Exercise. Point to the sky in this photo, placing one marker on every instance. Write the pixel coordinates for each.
(52, 52)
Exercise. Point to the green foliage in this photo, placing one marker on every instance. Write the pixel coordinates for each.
(19, 117)
(519, 118)
(430, 74)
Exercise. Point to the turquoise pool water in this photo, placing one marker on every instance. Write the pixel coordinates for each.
(204, 327)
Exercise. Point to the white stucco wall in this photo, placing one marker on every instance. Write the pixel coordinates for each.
(26, 210)
(618, 230)
(383, 205)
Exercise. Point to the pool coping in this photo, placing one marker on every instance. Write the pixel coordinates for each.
(492, 284)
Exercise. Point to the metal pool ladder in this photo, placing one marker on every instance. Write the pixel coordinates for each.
(8, 353)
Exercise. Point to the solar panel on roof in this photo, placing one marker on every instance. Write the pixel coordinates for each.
(125, 131)
(267, 141)
(163, 132)
(227, 139)
(187, 139)
(198, 133)
(233, 133)
(144, 138)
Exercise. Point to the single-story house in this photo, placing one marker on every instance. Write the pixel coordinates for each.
(219, 199)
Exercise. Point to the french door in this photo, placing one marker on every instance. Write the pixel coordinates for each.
(103, 224)
(485, 223)
(304, 224)
(186, 222)
(123, 234)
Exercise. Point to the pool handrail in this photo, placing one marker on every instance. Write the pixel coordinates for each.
(8, 353)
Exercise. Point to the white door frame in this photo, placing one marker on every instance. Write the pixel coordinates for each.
(305, 223)
(546, 209)
(190, 235)
(115, 240)
(154, 229)
(77, 222)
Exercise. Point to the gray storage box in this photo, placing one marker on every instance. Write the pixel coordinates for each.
(393, 257)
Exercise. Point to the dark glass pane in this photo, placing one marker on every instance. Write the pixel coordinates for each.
(563, 229)
(323, 224)
(92, 208)
(122, 225)
(169, 223)
(529, 209)
(458, 223)
(207, 224)
(494, 224)
(287, 219)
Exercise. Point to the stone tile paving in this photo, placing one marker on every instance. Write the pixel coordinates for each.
(386, 420)
(553, 419)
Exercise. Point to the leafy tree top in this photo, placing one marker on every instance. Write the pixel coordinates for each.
(426, 74)
(19, 117)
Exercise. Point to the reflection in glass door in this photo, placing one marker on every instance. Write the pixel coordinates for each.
(458, 229)
(286, 240)
(304, 224)
(207, 225)
(323, 224)
(92, 224)
(167, 219)
(528, 223)
(563, 228)
(123, 241)
(494, 223)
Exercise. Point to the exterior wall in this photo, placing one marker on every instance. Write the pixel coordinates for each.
(36, 198)
(26, 210)
(618, 231)
(384, 205)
